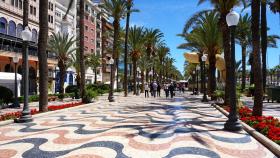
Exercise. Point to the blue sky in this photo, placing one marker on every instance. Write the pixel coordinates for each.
(170, 16)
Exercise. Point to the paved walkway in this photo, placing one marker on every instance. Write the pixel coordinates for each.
(131, 127)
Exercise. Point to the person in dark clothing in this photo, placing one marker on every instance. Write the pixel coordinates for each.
(171, 90)
(166, 90)
(158, 90)
(151, 88)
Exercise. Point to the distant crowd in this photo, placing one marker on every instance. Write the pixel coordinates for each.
(154, 88)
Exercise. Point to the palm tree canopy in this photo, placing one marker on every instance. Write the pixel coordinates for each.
(243, 30)
(62, 45)
(115, 8)
(93, 61)
(136, 41)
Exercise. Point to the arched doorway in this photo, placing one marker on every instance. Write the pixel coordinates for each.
(71, 79)
(12, 28)
(19, 30)
(3, 25)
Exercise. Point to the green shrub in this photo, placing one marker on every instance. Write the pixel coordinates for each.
(89, 95)
(6, 95)
(219, 94)
(99, 88)
(61, 96)
(71, 89)
(33, 98)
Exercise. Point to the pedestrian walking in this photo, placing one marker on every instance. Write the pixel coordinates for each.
(171, 90)
(151, 88)
(158, 89)
(166, 90)
(154, 89)
(147, 88)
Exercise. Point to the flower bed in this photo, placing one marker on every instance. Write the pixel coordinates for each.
(267, 125)
(17, 114)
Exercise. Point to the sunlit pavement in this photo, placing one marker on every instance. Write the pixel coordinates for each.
(131, 127)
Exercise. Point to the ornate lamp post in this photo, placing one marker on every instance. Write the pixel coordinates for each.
(26, 115)
(232, 124)
(203, 59)
(111, 97)
(138, 78)
(193, 82)
(197, 87)
(16, 104)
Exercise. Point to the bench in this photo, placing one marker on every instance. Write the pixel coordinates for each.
(273, 93)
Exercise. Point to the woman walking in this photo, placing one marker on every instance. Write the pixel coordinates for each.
(147, 88)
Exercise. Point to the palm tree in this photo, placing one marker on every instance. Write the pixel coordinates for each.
(258, 99)
(144, 63)
(42, 55)
(94, 62)
(208, 37)
(117, 10)
(61, 44)
(81, 49)
(224, 7)
(153, 37)
(263, 40)
(136, 41)
(243, 37)
(162, 52)
(129, 5)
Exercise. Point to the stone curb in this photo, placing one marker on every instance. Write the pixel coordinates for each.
(3, 123)
(270, 145)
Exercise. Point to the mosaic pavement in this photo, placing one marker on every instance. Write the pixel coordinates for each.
(130, 128)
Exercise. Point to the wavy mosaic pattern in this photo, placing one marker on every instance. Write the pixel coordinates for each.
(130, 128)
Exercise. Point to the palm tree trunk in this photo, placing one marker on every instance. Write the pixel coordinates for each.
(134, 77)
(116, 25)
(95, 76)
(243, 68)
(211, 74)
(125, 47)
(263, 40)
(82, 45)
(42, 55)
(258, 99)
(226, 47)
(61, 77)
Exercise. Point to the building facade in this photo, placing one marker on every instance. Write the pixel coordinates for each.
(11, 12)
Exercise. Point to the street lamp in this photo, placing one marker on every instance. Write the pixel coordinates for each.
(16, 104)
(203, 59)
(233, 123)
(111, 97)
(138, 78)
(197, 70)
(26, 115)
(193, 82)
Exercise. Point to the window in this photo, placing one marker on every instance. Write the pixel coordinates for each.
(92, 19)
(50, 6)
(86, 48)
(86, 27)
(92, 50)
(86, 38)
(20, 4)
(50, 19)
